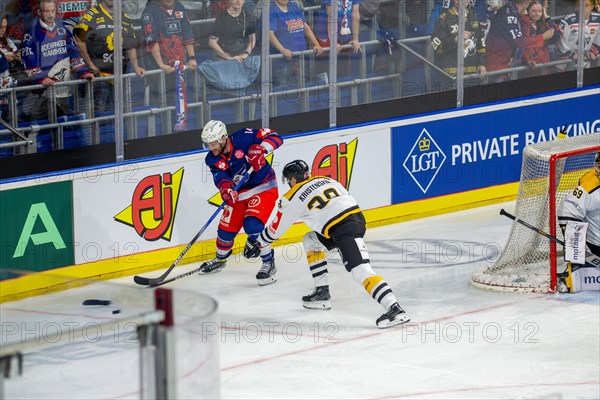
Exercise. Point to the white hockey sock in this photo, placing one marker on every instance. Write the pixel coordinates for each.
(375, 285)
(317, 263)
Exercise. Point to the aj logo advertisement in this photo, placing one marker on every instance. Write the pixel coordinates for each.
(336, 161)
(153, 206)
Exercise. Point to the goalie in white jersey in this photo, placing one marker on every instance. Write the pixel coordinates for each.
(583, 205)
(337, 222)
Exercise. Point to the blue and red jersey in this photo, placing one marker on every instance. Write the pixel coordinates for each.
(288, 26)
(505, 36)
(233, 166)
(171, 29)
(44, 49)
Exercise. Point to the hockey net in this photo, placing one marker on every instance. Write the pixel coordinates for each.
(550, 170)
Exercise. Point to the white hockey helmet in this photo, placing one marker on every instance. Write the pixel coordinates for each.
(213, 131)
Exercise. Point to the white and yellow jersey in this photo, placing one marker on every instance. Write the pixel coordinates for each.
(583, 204)
(319, 202)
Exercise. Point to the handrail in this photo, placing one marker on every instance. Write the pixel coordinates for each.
(238, 99)
(13, 130)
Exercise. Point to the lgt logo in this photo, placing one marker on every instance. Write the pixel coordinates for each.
(424, 161)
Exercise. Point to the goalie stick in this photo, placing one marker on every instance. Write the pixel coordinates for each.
(589, 257)
(533, 228)
(152, 282)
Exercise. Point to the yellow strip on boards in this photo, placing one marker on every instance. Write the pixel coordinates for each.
(45, 282)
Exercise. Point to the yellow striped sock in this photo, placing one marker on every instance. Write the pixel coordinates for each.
(370, 283)
(315, 256)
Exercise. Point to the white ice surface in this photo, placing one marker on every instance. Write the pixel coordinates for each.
(462, 342)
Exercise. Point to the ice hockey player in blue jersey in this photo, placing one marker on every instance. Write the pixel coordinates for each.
(229, 159)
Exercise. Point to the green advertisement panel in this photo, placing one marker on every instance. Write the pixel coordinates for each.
(36, 233)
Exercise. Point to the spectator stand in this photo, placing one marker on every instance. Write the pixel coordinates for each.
(142, 119)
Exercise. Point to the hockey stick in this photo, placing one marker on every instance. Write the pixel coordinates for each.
(533, 228)
(140, 280)
(590, 258)
(192, 272)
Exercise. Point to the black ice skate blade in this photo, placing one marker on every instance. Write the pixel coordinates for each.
(401, 319)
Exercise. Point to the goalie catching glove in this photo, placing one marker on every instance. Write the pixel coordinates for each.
(256, 156)
(228, 195)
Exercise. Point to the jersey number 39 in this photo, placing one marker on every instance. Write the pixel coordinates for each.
(321, 201)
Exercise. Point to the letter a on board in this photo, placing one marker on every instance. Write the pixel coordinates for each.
(51, 235)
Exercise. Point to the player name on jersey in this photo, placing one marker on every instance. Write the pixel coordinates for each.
(310, 189)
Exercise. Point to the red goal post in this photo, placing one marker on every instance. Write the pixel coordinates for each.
(554, 189)
(550, 170)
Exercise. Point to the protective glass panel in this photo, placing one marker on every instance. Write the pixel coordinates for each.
(74, 338)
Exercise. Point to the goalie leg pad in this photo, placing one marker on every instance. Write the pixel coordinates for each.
(583, 277)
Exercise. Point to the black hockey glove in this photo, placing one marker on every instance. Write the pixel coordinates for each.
(252, 248)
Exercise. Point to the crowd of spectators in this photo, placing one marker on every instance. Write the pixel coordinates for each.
(45, 42)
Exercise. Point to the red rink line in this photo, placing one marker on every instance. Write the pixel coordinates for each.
(377, 333)
(480, 388)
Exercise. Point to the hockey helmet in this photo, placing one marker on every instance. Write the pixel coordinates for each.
(597, 163)
(213, 131)
(297, 169)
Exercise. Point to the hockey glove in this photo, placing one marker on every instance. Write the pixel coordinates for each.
(228, 195)
(256, 156)
(252, 248)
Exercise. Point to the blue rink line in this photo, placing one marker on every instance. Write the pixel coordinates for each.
(585, 297)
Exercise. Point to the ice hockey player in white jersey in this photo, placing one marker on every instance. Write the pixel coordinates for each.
(583, 205)
(337, 223)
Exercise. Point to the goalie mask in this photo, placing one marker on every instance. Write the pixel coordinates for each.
(297, 169)
(597, 164)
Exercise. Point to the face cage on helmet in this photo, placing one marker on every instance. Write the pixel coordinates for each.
(205, 145)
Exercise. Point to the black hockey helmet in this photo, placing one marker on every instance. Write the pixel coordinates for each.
(297, 169)
(597, 163)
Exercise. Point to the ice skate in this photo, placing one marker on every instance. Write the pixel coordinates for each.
(561, 283)
(394, 316)
(213, 266)
(318, 299)
(267, 273)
